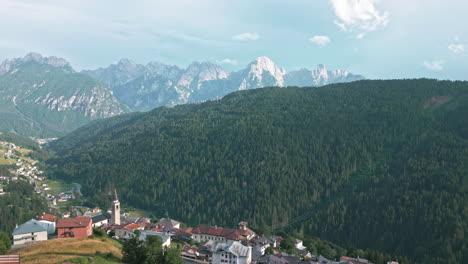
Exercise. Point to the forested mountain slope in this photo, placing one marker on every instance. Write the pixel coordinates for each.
(381, 164)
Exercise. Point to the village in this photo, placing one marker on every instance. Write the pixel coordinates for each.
(26, 168)
(202, 244)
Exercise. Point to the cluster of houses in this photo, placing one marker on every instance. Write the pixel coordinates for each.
(202, 244)
(28, 170)
(24, 168)
(10, 149)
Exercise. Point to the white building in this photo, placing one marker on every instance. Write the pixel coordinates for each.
(48, 222)
(232, 253)
(126, 231)
(99, 220)
(261, 244)
(298, 244)
(165, 237)
(29, 232)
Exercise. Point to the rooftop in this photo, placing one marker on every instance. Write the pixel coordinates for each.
(47, 217)
(228, 233)
(28, 227)
(78, 221)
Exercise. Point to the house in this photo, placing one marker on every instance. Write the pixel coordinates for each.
(189, 251)
(232, 253)
(298, 244)
(99, 220)
(74, 227)
(165, 237)
(260, 245)
(167, 224)
(303, 253)
(220, 234)
(126, 231)
(66, 214)
(29, 232)
(276, 241)
(358, 260)
(271, 259)
(1, 191)
(287, 258)
(48, 220)
(183, 235)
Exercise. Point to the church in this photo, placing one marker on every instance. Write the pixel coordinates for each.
(115, 214)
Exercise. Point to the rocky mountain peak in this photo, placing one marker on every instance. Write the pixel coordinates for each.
(124, 62)
(11, 64)
(263, 65)
(198, 72)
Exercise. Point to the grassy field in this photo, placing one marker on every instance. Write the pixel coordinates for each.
(74, 250)
(136, 212)
(57, 187)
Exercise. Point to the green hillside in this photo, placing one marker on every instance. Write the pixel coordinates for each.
(369, 164)
(45, 101)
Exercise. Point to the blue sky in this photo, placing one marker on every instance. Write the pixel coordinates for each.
(377, 38)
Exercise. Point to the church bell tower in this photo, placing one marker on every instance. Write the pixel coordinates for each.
(115, 217)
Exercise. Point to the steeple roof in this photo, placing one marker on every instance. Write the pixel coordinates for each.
(116, 198)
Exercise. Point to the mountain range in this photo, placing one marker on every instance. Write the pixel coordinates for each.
(46, 97)
(144, 87)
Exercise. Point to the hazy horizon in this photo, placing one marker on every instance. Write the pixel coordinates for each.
(378, 39)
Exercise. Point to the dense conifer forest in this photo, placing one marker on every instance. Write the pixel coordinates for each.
(19, 204)
(368, 164)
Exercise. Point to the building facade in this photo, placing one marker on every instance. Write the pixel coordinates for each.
(222, 235)
(74, 227)
(29, 232)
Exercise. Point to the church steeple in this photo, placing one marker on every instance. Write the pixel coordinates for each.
(116, 198)
(115, 217)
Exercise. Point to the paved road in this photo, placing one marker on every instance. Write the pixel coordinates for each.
(76, 189)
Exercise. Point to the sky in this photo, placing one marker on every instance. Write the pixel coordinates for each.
(380, 39)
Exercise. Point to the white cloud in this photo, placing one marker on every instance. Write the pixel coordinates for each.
(246, 36)
(456, 48)
(320, 41)
(360, 36)
(359, 15)
(435, 65)
(227, 61)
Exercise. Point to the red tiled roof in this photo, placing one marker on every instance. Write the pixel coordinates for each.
(78, 221)
(228, 233)
(132, 227)
(187, 230)
(47, 217)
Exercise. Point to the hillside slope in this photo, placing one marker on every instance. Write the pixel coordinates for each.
(76, 250)
(44, 97)
(379, 164)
